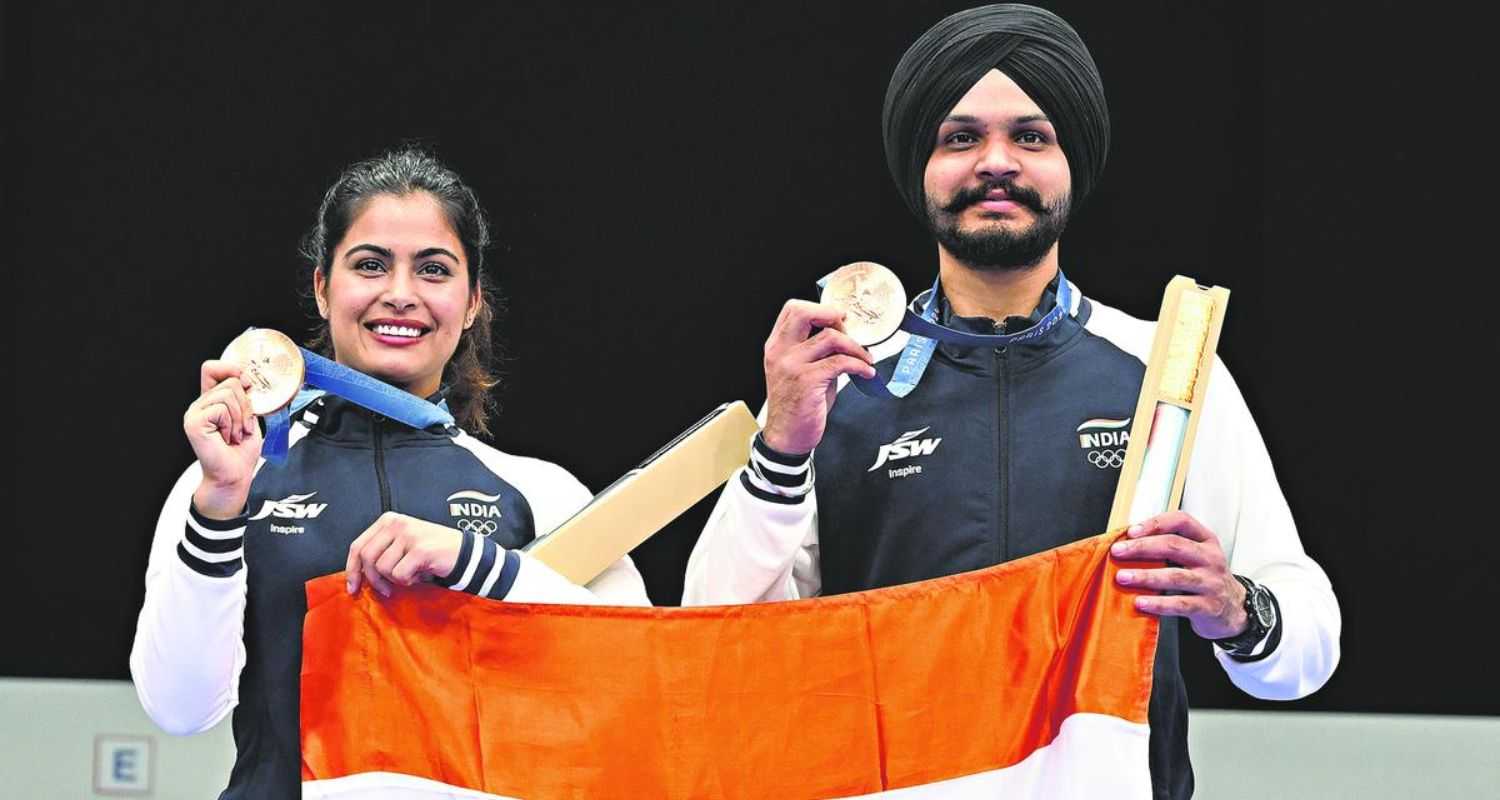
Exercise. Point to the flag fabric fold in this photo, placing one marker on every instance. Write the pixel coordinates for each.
(1030, 678)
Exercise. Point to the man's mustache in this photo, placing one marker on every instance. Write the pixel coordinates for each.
(1029, 198)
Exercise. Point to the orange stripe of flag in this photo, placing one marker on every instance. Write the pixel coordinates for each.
(831, 696)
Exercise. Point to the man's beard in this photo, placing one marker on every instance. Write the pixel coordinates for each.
(997, 248)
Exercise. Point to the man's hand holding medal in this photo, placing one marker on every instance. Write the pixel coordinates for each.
(812, 344)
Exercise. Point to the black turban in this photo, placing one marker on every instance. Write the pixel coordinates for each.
(1036, 48)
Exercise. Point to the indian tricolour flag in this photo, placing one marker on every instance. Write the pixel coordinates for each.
(1028, 679)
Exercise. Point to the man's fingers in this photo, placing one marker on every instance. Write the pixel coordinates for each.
(828, 342)
(1177, 605)
(834, 366)
(1178, 522)
(797, 320)
(1163, 547)
(1166, 579)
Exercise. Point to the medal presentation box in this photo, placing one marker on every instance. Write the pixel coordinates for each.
(648, 497)
(1171, 401)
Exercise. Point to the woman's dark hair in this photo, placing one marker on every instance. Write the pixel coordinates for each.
(401, 172)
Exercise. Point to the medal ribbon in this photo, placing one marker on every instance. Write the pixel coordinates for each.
(324, 377)
(921, 322)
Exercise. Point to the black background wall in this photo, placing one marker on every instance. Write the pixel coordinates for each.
(662, 180)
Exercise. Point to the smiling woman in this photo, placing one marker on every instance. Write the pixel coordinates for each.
(398, 274)
(396, 310)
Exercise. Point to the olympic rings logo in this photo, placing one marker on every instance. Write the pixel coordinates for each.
(483, 527)
(1106, 459)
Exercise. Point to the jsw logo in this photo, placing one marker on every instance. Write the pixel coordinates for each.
(907, 445)
(478, 509)
(291, 507)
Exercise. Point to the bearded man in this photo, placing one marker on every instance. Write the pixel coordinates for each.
(995, 129)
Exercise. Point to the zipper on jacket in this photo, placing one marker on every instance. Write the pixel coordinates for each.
(385, 485)
(1002, 458)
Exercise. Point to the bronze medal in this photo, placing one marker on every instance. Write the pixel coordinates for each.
(872, 298)
(273, 365)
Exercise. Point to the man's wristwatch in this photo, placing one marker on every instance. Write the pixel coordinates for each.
(1261, 613)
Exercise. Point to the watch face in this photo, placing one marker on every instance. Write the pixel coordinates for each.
(1263, 608)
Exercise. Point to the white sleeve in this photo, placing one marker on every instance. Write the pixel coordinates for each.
(1232, 489)
(761, 540)
(189, 640)
(618, 585)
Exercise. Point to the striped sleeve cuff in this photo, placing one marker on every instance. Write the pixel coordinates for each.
(213, 547)
(482, 568)
(776, 477)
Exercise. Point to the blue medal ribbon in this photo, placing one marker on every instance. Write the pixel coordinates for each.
(324, 376)
(925, 332)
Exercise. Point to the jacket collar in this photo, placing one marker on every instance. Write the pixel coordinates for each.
(1024, 352)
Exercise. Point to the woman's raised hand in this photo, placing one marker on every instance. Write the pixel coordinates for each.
(226, 439)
